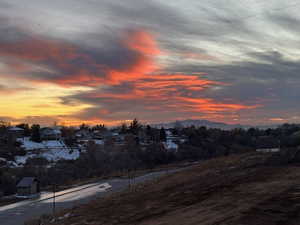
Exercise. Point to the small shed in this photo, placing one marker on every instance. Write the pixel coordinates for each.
(28, 186)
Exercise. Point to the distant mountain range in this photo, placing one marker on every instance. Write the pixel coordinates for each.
(209, 124)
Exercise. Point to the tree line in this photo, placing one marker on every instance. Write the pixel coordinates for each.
(144, 147)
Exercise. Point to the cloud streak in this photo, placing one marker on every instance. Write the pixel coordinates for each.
(157, 61)
(146, 89)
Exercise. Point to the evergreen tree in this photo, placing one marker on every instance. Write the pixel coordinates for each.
(148, 130)
(162, 134)
(26, 129)
(135, 127)
(84, 127)
(150, 133)
(3, 127)
(124, 128)
(35, 133)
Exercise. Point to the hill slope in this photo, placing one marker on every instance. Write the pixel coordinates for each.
(237, 190)
(210, 124)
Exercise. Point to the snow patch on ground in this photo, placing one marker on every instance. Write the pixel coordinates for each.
(99, 142)
(52, 150)
(170, 145)
(27, 144)
(3, 160)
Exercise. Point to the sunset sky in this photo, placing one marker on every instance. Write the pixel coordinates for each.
(104, 61)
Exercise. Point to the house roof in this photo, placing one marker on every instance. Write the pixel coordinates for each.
(50, 131)
(26, 182)
(16, 129)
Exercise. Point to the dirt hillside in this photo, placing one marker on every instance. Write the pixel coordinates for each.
(246, 189)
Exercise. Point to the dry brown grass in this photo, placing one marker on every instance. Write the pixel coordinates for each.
(237, 190)
(5, 201)
(116, 174)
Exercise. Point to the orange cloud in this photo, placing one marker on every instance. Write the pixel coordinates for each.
(210, 105)
(82, 78)
(143, 42)
(62, 57)
(157, 91)
(152, 88)
(191, 82)
(277, 119)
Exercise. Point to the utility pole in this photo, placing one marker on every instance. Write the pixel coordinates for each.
(129, 181)
(279, 143)
(53, 206)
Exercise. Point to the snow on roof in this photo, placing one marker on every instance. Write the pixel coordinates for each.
(51, 150)
(56, 155)
(27, 144)
(31, 145)
(168, 133)
(53, 155)
(56, 131)
(99, 142)
(16, 129)
(169, 144)
(49, 130)
(21, 160)
(12, 164)
(26, 182)
(54, 144)
(3, 160)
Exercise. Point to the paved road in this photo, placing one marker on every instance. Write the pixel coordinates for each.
(18, 213)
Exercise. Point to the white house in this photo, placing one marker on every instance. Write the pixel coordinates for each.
(49, 133)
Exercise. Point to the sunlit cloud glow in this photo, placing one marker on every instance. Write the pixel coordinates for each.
(103, 62)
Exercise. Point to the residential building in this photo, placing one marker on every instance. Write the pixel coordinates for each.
(49, 133)
(28, 187)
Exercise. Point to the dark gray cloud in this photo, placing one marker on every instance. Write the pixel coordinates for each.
(246, 46)
(60, 61)
(262, 66)
(268, 79)
(10, 31)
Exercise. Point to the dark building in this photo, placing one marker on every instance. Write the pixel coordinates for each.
(27, 187)
(16, 132)
(49, 133)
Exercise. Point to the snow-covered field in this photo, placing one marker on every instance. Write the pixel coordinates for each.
(50, 150)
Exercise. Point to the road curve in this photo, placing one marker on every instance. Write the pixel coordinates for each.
(18, 213)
